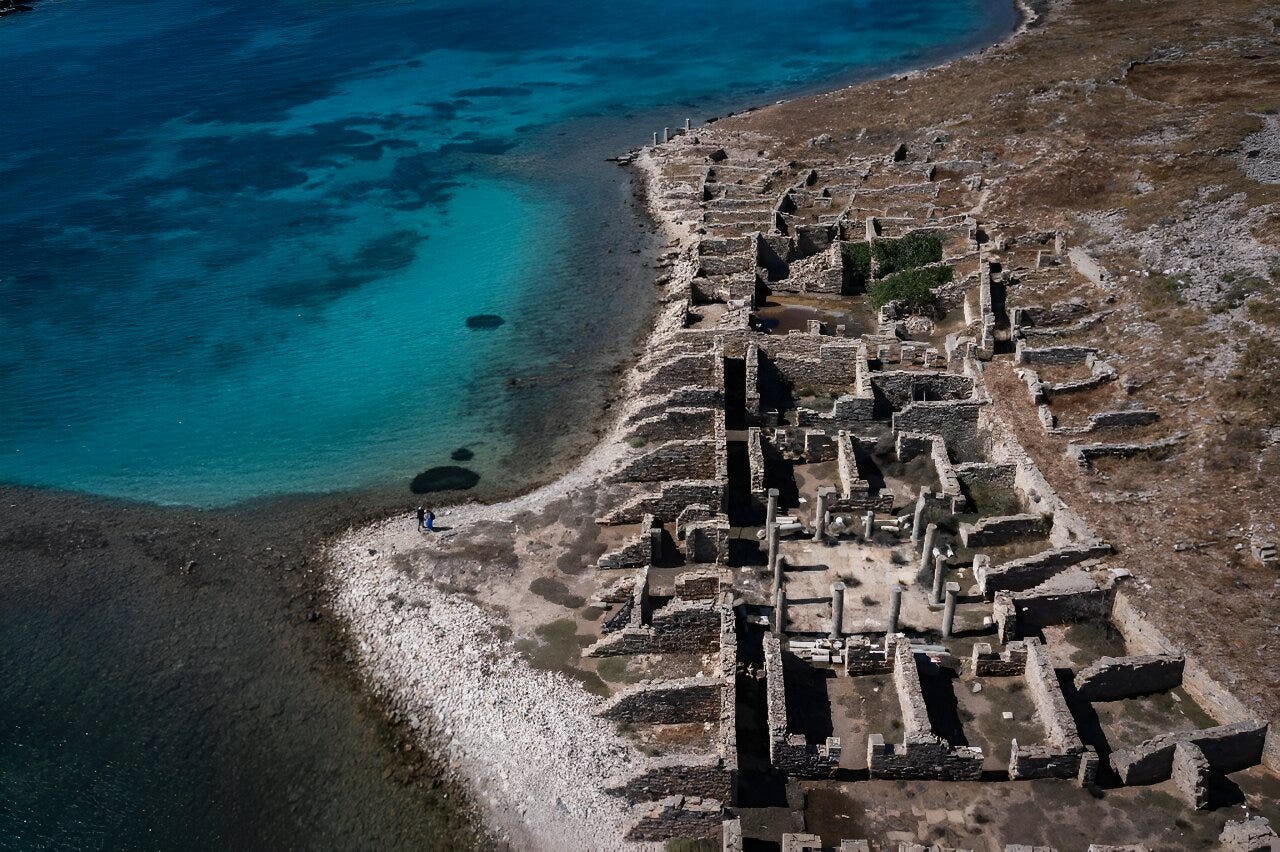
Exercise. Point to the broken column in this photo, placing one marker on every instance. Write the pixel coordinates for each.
(895, 608)
(771, 511)
(688, 124)
(779, 568)
(837, 608)
(820, 516)
(949, 613)
(655, 138)
(939, 566)
(773, 547)
(779, 610)
(919, 515)
(930, 541)
(868, 524)
(666, 134)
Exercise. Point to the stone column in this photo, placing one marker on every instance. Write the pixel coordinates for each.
(869, 525)
(949, 614)
(820, 517)
(939, 566)
(895, 608)
(779, 571)
(930, 539)
(655, 139)
(773, 546)
(655, 545)
(771, 513)
(779, 611)
(666, 134)
(837, 609)
(917, 521)
(688, 124)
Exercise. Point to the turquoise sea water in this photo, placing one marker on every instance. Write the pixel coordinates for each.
(242, 239)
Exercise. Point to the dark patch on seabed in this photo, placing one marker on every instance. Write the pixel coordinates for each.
(448, 477)
(485, 321)
(462, 454)
(173, 680)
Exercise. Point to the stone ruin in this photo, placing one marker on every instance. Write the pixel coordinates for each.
(822, 497)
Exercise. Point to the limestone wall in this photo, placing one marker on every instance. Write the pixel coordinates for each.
(1113, 678)
(956, 422)
(984, 662)
(681, 459)
(1030, 571)
(1055, 355)
(1004, 529)
(667, 503)
(666, 702)
(677, 816)
(789, 753)
(678, 626)
(1227, 748)
(677, 422)
(701, 775)
(1060, 754)
(902, 387)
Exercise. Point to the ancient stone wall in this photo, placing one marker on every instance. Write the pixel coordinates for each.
(636, 551)
(1030, 571)
(678, 422)
(1113, 678)
(703, 775)
(1059, 756)
(1003, 529)
(863, 656)
(1063, 356)
(1190, 774)
(677, 816)
(672, 460)
(666, 702)
(956, 422)
(666, 504)
(1228, 748)
(789, 753)
(677, 626)
(902, 387)
(701, 585)
(1008, 663)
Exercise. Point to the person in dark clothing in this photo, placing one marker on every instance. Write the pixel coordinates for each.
(422, 518)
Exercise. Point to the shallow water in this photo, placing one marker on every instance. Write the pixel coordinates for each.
(242, 239)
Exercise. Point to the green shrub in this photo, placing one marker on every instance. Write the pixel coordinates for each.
(909, 252)
(857, 263)
(914, 287)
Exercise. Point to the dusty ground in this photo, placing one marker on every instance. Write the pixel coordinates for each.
(1147, 132)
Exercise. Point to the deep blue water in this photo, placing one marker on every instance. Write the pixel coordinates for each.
(241, 239)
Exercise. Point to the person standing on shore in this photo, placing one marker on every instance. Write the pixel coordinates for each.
(422, 518)
(431, 521)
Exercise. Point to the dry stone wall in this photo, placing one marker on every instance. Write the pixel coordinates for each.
(1113, 678)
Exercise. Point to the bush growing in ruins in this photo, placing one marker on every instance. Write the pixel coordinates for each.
(913, 287)
(909, 252)
(857, 264)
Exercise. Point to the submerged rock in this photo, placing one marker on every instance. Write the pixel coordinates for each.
(484, 321)
(444, 478)
(462, 454)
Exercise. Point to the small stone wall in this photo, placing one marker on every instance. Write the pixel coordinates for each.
(956, 422)
(1191, 774)
(674, 423)
(1003, 529)
(1060, 755)
(701, 585)
(636, 551)
(1062, 356)
(1018, 613)
(678, 626)
(1018, 575)
(789, 753)
(902, 387)
(702, 775)
(672, 460)
(921, 755)
(865, 656)
(677, 816)
(1228, 748)
(666, 504)
(1009, 662)
(666, 702)
(1113, 678)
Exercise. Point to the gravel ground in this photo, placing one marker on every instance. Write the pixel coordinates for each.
(527, 742)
